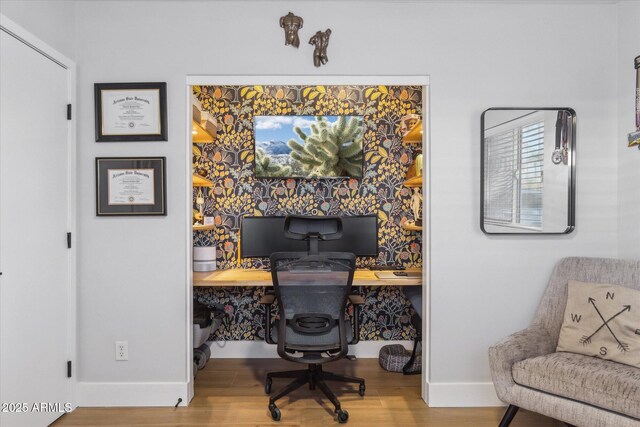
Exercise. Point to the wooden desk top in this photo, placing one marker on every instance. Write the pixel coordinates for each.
(246, 277)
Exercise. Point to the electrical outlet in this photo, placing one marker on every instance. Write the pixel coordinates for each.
(122, 350)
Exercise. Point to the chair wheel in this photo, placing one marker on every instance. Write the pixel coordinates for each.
(275, 412)
(267, 386)
(362, 389)
(343, 416)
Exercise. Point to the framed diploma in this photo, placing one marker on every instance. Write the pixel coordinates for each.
(130, 111)
(131, 186)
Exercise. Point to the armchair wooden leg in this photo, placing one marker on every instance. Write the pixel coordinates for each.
(508, 415)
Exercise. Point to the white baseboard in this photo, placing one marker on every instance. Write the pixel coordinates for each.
(111, 394)
(92, 394)
(262, 350)
(459, 395)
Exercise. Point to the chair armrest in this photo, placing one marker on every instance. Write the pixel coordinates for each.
(531, 342)
(267, 300)
(356, 299)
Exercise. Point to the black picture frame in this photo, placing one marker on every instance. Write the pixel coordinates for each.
(102, 136)
(116, 206)
(302, 177)
(571, 202)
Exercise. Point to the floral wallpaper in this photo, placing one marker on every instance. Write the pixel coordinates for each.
(229, 163)
(385, 314)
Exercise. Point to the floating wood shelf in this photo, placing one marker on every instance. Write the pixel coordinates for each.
(411, 226)
(203, 227)
(202, 135)
(204, 126)
(416, 181)
(199, 181)
(414, 136)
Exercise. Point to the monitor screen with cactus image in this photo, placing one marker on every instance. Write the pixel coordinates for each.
(308, 146)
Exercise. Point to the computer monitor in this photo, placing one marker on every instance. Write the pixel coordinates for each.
(260, 236)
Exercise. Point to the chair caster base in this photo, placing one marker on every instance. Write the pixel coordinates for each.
(314, 377)
(275, 412)
(343, 416)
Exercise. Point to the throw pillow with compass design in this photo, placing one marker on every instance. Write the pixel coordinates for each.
(602, 320)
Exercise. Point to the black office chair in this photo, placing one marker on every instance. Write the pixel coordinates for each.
(312, 289)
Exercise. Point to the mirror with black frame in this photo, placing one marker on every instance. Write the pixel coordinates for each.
(528, 171)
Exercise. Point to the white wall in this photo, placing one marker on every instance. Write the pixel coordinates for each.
(132, 270)
(628, 158)
(504, 55)
(51, 21)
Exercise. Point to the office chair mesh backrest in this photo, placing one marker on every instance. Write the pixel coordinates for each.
(312, 292)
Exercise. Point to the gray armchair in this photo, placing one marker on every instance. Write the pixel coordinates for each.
(579, 390)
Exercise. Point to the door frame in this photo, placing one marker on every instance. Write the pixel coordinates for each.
(328, 79)
(16, 31)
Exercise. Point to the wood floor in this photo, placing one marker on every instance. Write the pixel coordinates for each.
(230, 392)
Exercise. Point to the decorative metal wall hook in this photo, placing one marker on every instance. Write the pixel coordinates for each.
(291, 24)
(561, 152)
(321, 41)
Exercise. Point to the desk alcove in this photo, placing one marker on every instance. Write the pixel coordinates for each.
(232, 191)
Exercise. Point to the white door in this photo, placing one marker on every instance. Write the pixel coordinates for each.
(34, 259)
